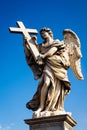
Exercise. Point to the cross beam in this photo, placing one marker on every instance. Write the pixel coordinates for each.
(23, 30)
(30, 43)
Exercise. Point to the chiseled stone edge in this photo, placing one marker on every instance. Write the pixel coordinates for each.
(58, 118)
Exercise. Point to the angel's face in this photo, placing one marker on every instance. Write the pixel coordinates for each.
(45, 35)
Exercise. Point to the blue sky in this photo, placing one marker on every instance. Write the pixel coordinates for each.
(17, 84)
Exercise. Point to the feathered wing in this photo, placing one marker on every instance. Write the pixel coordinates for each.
(73, 49)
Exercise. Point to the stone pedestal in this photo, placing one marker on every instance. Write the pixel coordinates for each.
(60, 122)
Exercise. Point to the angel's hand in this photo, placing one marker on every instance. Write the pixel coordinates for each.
(42, 56)
(39, 60)
(34, 38)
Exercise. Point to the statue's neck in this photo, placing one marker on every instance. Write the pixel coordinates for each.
(48, 42)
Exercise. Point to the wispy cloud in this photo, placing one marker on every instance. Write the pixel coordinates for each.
(6, 127)
(0, 126)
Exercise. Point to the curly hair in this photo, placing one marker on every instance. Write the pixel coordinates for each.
(45, 29)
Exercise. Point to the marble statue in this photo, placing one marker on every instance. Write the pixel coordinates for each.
(57, 57)
(49, 63)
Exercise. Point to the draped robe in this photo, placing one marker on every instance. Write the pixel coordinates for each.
(55, 67)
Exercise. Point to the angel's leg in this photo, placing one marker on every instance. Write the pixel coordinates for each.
(43, 93)
(62, 97)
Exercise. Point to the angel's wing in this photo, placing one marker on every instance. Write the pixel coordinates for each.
(73, 48)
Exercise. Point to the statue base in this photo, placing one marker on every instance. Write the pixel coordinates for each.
(59, 122)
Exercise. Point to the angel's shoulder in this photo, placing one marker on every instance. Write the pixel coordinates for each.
(58, 42)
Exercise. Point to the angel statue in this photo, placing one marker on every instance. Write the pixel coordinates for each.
(51, 69)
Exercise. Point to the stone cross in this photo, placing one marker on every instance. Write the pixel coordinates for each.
(26, 33)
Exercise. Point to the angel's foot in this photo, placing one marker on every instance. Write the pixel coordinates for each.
(38, 110)
(61, 109)
(53, 109)
(37, 113)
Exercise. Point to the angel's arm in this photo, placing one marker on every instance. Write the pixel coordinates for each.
(49, 53)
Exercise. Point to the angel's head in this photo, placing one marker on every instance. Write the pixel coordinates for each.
(46, 33)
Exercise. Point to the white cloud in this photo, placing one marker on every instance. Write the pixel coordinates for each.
(0, 126)
(8, 127)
